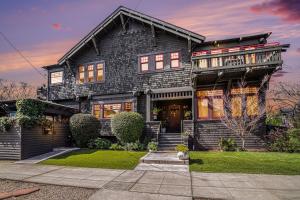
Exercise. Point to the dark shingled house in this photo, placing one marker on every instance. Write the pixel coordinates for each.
(135, 62)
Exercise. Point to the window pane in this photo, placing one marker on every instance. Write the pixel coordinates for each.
(250, 58)
(144, 59)
(236, 106)
(159, 57)
(90, 73)
(100, 72)
(203, 63)
(175, 63)
(214, 62)
(246, 90)
(56, 77)
(81, 74)
(97, 111)
(111, 109)
(128, 106)
(159, 65)
(144, 67)
(209, 93)
(202, 108)
(218, 108)
(175, 55)
(252, 105)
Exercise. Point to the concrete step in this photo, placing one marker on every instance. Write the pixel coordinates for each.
(169, 158)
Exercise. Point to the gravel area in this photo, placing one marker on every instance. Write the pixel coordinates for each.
(46, 191)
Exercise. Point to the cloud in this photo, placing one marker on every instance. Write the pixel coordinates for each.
(56, 26)
(298, 50)
(287, 10)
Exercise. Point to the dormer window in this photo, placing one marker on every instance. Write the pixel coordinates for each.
(175, 60)
(159, 61)
(144, 63)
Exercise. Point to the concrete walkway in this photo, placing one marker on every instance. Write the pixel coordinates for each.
(131, 184)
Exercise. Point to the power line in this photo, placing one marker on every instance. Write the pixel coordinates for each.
(20, 53)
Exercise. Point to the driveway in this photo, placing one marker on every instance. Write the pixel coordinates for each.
(130, 184)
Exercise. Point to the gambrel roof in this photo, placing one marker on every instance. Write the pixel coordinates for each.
(123, 11)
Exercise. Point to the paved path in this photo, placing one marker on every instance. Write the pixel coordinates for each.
(133, 184)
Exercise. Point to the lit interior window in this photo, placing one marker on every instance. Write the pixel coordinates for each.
(81, 74)
(175, 60)
(90, 73)
(250, 58)
(56, 77)
(97, 111)
(252, 105)
(144, 63)
(203, 63)
(218, 108)
(159, 61)
(203, 108)
(128, 106)
(236, 106)
(111, 109)
(100, 72)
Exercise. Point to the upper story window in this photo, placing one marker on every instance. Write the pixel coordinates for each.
(175, 60)
(56, 77)
(81, 70)
(90, 69)
(91, 73)
(202, 63)
(144, 63)
(159, 61)
(100, 72)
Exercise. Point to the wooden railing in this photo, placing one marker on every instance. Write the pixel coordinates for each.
(267, 55)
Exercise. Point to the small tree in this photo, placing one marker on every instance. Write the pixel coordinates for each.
(243, 122)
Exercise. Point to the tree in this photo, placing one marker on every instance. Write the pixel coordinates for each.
(243, 113)
(10, 90)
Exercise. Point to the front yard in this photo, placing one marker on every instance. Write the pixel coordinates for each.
(246, 162)
(98, 159)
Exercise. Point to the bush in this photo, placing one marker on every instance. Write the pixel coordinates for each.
(84, 127)
(116, 147)
(134, 146)
(99, 143)
(182, 148)
(6, 123)
(152, 146)
(127, 126)
(284, 141)
(227, 144)
(274, 120)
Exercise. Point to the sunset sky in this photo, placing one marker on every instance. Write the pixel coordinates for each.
(43, 30)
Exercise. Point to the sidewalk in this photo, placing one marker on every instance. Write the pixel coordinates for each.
(130, 184)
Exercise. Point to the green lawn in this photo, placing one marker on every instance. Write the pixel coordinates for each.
(98, 159)
(245, 162)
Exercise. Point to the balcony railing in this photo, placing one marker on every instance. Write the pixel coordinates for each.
(236, 57)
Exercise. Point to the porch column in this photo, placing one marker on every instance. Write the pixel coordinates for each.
(193, 105)
(148, 105)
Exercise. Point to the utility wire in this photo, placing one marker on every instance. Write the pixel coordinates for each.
(20, 53)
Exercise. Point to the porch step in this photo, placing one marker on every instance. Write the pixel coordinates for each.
(168, 141)
(169, 158)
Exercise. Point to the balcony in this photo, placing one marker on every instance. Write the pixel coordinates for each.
(242, 57)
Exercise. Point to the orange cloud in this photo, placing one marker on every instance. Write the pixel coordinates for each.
(40, 55)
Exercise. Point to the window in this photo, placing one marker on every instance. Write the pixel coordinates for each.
(81, 74)
(111, 109)
(100, 70)
(56, 77)
(159, 61)
(97, 111)
(203, 108)
(144, 63)
(203, 63)
(236, 106)
(216, 62)
(128, 106)
(90, 73)
(250, 58)
(252, 105)
(210, 104)
(175, 60)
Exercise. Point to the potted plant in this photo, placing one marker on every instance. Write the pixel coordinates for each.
(155, 112)
(183, 152)
(152, 146)
(163, 126)
(187, 115)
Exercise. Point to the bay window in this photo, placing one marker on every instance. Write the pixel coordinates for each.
(210, 104)
(144, 63)
(56, 77)
(111, 109)
(175, 60)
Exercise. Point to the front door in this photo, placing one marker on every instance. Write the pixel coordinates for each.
(173, 122)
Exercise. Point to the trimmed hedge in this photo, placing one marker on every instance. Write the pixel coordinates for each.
(127, 126)
(84, 127)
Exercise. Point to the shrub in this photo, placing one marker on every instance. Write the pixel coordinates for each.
(127, 126)
(152, 146)
(182, 148)
(227, 144)
(84, 127)
(6, 123)
(116, 147)
(285, 141)
(134, 146)
(99, 143)
(274, 120)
